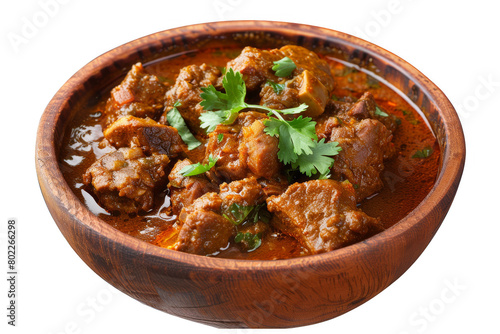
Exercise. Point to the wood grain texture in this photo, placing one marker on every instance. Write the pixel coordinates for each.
(238, 293)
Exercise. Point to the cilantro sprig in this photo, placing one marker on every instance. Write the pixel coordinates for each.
(175, 120)
(284, 67)
(298, 145)
(223, 108)
(199, 168)
(297, 140)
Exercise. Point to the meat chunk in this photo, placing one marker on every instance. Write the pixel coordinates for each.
(187, 90)
(303, 88)
(365, 139)
(365, 145)
(321, 215)
(184, 190)
(244, 150)
(205, 227)
(139, 94)
(204, 230)
(246, 192)
(363, 108)
(310, 61)
(224, 143)
(150, 136)
(126, 180)
(350, 112)
(255, 65)
(262, 150)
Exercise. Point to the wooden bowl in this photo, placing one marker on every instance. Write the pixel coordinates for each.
(239, 293)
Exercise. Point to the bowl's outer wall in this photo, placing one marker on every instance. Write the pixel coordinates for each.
(232, 293)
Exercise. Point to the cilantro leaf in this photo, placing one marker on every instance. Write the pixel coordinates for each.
(379, 112)
(199, 168)
(320, 160)
(278, 88)
(210, 119)
(175, 120)
(284, 67)
(295, 137)
(253, 241)
(293, 111)
(213, 99)
(235, 89)
(237, 214)
(423, 153)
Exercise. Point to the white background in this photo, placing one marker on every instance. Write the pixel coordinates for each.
(454, 43)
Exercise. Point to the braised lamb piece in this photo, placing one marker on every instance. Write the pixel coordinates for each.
(139, 94)
(365, 142)
(243, 149)
(322, 215)
(186, 92)
(184, 190)
(150, 136)
(125, 180)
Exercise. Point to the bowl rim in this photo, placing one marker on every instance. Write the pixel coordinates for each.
(452, 154)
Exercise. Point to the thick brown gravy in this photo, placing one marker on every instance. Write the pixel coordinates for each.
(407, 178)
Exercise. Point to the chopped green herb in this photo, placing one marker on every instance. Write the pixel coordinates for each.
(284, 67)
(199, 168)
(355, 186)
(423, 153)
(252, 240)
(220, 136)
(334, 97)
(238, 214)
(379, 112)
(278, 88)
(175, 120)
(262, 214)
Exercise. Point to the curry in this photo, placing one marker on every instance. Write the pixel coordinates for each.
(250, 153)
